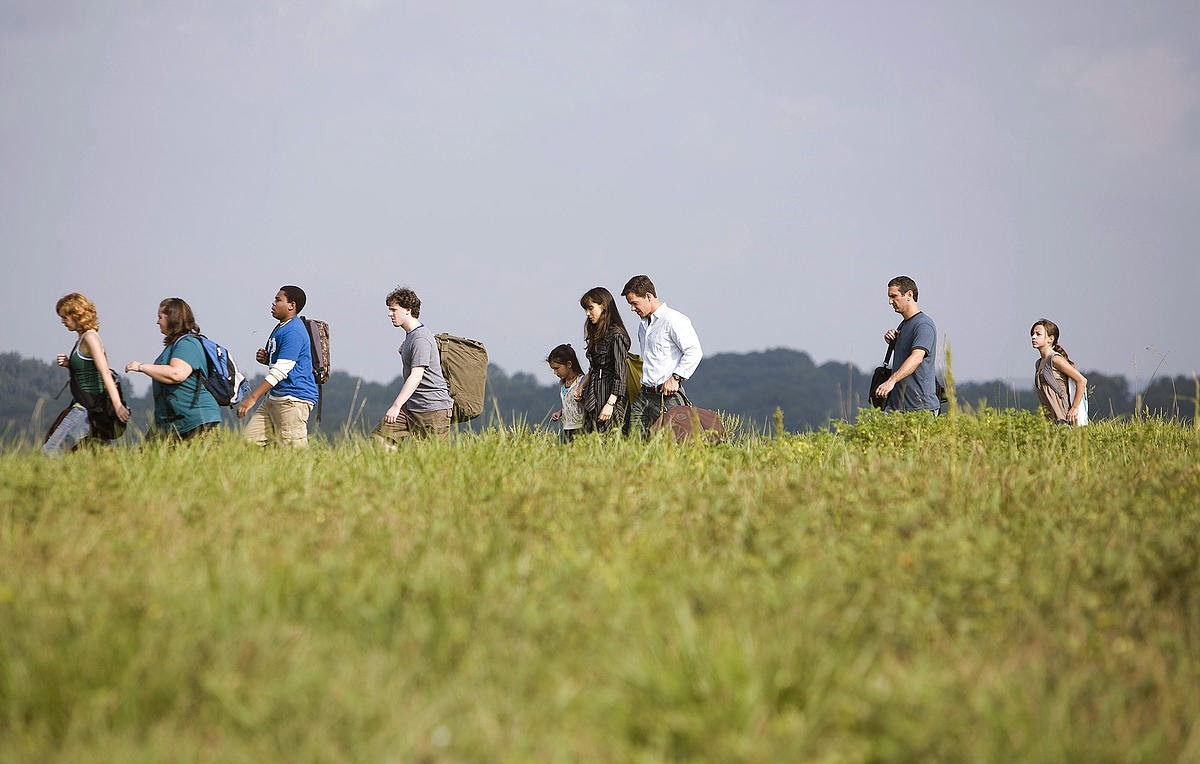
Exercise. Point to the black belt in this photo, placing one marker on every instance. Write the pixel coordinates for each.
(656, 389)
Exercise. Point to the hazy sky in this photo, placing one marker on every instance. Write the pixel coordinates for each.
(769, 164)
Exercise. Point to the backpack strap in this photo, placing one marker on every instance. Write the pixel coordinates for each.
(1047, 372)
(172, 416)
(70, 375)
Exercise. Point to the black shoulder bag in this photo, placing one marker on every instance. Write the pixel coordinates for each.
(880, 376)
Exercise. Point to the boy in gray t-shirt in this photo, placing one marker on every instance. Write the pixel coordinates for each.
(423, 406)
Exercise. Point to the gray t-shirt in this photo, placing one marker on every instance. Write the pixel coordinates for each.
(918, 391)
(432, 393)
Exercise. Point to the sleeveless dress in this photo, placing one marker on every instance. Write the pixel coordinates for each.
(1052, 390)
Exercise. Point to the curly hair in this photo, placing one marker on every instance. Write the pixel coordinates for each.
(79, 309)
(405, 298)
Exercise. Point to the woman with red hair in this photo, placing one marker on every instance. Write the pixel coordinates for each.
(90, 375)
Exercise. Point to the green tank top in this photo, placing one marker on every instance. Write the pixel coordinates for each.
(84, 369)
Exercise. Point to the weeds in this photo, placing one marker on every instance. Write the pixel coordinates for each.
(986, 588)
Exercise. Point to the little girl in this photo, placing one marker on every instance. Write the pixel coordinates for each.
(565, 365)
(1052, 371)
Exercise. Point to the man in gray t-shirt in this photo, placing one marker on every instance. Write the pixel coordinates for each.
(912, 386)
(423, 406)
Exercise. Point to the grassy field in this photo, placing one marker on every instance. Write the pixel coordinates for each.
(987, 588)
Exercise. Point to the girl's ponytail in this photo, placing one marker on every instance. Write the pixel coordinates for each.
(1063, 352)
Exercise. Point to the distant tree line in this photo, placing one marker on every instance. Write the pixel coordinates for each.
(750, 386)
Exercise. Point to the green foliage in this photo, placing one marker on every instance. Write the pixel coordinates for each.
(749, 386)
(905, 588)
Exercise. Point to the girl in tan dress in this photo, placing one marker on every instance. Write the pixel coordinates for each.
(1052, 371)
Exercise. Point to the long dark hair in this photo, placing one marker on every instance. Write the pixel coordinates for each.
(564, 355)
(180, 319)
(1052, 331)
(610, 319)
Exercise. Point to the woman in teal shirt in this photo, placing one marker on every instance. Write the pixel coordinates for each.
(183, 406)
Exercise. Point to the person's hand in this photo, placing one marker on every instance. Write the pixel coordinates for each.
(606, 412)
(245, 406)
(578, 394)
(392, 415)
(133, 366)
(671, 386)
(61, 360)
(122, 413)
(890, 335)
(260, 355)
(1073, 415)
(883, 390)
(557, 415)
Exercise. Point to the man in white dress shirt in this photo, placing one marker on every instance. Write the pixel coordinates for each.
(670, 353)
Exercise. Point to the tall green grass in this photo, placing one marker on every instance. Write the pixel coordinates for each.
(987, 588)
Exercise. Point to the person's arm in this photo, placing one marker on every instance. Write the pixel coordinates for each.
(95, 348)
(287, 353)
(275, 374)
(684, 335)
(248, 402)
(620, 347)
(410, 386)
(167, 373)
(1065, 366)
(905, 370)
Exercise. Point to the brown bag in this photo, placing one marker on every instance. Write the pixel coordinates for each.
(691, 423)
(465, 367)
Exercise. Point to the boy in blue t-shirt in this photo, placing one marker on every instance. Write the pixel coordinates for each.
(290, 387)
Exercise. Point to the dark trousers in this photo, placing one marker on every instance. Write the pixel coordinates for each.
(649, 406)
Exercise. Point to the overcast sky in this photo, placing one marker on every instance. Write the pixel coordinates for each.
(770, 165)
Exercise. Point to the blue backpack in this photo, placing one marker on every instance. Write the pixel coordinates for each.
(226, 383)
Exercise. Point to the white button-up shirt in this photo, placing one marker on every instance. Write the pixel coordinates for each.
(669, 346)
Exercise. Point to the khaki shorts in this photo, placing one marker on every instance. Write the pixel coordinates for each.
(279, 421)
(414, 424)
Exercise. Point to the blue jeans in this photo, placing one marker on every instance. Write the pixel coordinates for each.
(74, 427)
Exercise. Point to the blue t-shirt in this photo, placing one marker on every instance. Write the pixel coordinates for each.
(917, 391)
(178, 407)
(432, 393)
(289, 341)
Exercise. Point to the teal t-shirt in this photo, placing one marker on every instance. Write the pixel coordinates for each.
(190, 410)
